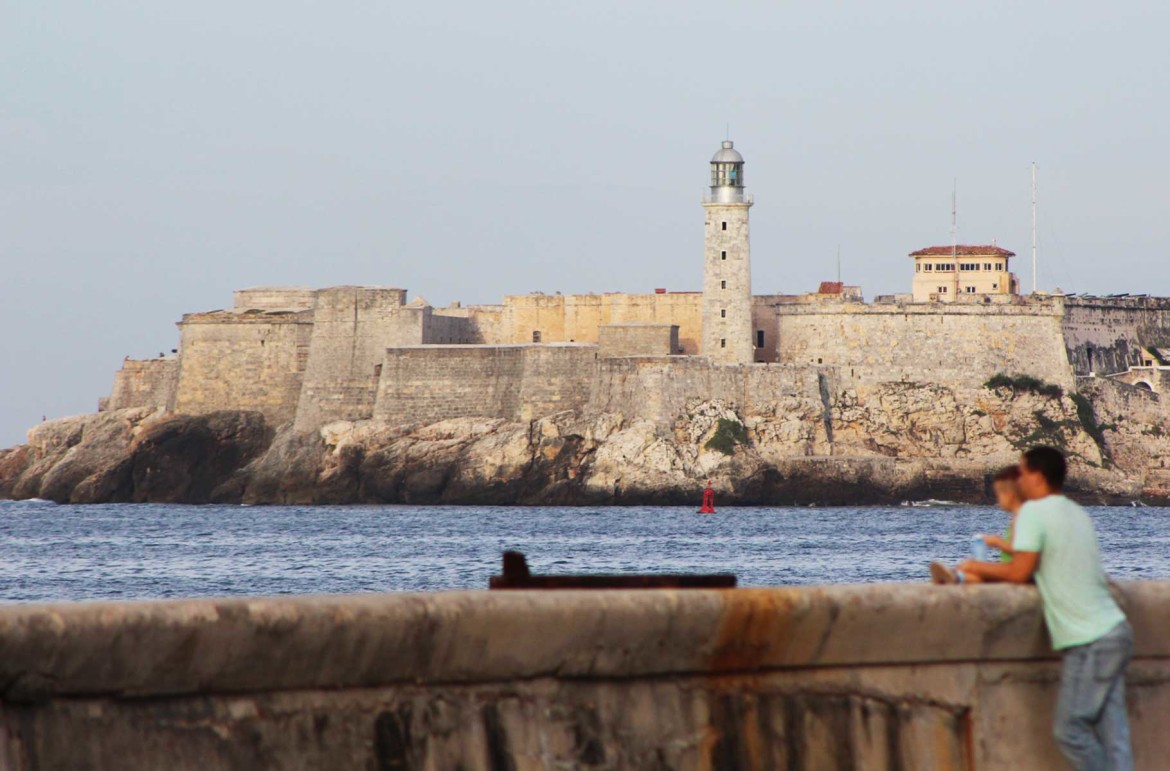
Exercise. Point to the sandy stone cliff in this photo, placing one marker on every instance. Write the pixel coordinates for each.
(881, 443)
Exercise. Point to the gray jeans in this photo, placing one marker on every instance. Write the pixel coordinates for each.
(1091, 725)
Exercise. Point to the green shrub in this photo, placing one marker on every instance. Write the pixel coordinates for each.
(1025, 383)
(728, 435)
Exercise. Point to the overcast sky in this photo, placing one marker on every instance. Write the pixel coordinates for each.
(156, 156)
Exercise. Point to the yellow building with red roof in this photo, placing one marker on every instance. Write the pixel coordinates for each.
(955, 273)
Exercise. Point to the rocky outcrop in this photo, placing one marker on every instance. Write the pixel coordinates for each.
(861, 444)
(134, 455)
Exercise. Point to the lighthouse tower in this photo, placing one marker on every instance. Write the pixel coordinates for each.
(727, 269)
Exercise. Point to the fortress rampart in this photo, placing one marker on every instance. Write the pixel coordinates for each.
(427, 384)
(150, 383)
(353, 353)
(953, 344)
(1105, 335)
(253, 360)
(844, 677)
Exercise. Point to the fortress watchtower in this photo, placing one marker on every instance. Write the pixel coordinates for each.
(727, 270)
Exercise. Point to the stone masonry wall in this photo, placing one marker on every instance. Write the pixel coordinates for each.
(275, 298)
(577, 318)
(427, 384)
(950, 345)
(145, 383)
(660, 389)
(875, 677)
(1105, 334)
(248, 361)
(443, 328)
(352, 328)
(638, 339)
(431, 383)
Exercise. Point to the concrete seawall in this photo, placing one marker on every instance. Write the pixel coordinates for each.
(865, 677)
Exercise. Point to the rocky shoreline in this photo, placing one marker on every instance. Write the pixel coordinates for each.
(905, 442)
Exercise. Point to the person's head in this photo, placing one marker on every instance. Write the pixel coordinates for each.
(1007, 489)
(1042, 472)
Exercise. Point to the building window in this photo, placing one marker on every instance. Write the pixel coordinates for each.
(759, 338)
(987, 266)
(995, 286)
(945, 266)
(723, 313)
(536, 335)
(999, 266)
(968, 266)
(377, 370)
(725, 225)
(929, 267)
(723, 255)
(942, 290)
(970, 290)
(723, 343)
(918, 267)
(819, 361)
(722, 284)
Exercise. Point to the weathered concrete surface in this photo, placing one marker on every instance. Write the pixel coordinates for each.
(865, 677)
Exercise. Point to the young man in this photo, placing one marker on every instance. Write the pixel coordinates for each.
(1055, 541)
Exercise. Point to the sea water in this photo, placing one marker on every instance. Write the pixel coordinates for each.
(50, 552)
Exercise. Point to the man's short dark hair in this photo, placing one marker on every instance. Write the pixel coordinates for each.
(1007, 474)
(1050, 462)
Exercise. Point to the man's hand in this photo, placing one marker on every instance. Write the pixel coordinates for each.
(996, 542)
(1018, 571)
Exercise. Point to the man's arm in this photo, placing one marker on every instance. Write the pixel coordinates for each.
(1018, 571)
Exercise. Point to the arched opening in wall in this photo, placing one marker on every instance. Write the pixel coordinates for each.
(377, 370)
(1144, 385)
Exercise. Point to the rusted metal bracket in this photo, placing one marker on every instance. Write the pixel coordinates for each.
(517, 576)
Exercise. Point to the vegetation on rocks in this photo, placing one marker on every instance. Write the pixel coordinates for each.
(1088, 419)
(728, 435)
(1024, 383)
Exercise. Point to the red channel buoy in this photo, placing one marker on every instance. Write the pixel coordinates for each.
(708, 501)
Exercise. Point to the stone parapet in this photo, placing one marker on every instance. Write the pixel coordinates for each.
(881, 676)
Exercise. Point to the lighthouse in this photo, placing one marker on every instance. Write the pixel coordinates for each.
(727, 270)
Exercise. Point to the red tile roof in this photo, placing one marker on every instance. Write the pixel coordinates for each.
(831, 287)
(963, 251)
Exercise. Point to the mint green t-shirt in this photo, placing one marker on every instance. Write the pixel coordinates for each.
(1078, 608)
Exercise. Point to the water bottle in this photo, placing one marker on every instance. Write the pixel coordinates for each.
(979, 548)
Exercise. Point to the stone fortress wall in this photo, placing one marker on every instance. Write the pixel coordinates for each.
(638, 339)
(352, 353)
(948, 344)
(249, 360)
(150, 383)
(1107, 335)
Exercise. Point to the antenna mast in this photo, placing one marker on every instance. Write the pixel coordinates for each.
(955, 234)
(1034, 206)
(838, 263)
